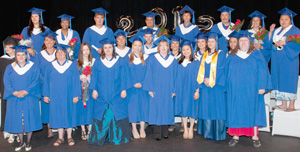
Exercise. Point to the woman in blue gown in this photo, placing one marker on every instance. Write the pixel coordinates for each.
(138, 99)
(22, 92)
(212, 101)
(42, 60)
(34, 31)
(285, 60)
(186, 89)
(61, 90)
(109, 84)
(245, 101)
(160, 83)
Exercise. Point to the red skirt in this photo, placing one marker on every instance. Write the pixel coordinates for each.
(243, 131)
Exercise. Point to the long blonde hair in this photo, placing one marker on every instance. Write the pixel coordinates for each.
(141, 56)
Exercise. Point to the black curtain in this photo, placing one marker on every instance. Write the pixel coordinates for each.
(15, 15)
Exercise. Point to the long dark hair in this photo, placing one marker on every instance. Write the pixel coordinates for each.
(250, 24)
(191, 58)
(102, 55)
(30, 26)
(80, 56)
(44, 46)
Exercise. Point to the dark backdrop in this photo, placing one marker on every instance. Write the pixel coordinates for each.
(14, 13)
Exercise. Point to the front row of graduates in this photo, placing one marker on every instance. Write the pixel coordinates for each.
(142, 88)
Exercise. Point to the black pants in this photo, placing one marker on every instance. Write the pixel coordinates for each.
(160, 131)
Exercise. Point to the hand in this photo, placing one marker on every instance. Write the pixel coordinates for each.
(123, 94)
(31, 51)
(138, 85)
(151, 94)
(261, 91)
(280, 43)
(173, 95)
(99, 50)
(23, 93)
(272, 27)
(84, 80)
(206, 81)
(196, 95)
(46, 99)
(75, 100)
(257, 46)
(17, 94)
(95, 94)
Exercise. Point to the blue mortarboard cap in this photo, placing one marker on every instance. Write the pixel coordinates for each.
(49, 34)
(234, 34)
(175, 38)
(138, 37)
(37, 11)
(286, 11)
(216, 36)
(121, 33)
(22, 49)
(244, 34)
(66, 17)
(186, 42)
(162, 38)
(147, 31)
(63, 47)
(260, 15)
(187, 8)
(226, 9)
(201, 36)
(150, 14)
(102, 11)
(108, 41)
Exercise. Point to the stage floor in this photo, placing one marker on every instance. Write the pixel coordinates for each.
(175, 143)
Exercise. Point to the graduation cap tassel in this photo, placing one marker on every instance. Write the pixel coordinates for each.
(292, 19)
(28, 57)
(263, 22)
(193, 20)
(42, 20)
(4, 52)
(229, 19)
(70, 24)
(105, 21)
(126, 39)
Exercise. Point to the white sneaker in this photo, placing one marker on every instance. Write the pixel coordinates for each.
(11, 138)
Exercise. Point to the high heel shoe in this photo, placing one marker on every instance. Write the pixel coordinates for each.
(19, 148)
(28, 148)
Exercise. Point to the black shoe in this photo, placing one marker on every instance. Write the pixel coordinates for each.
(166, 137)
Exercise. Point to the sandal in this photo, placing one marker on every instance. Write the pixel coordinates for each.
(58, 142)
(289, 110)
(71, 142)
(233, 142)
(256, 143)
(83, 135)
(279, 107)
(88, 134)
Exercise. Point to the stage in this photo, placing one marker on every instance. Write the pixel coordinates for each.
(175, 143)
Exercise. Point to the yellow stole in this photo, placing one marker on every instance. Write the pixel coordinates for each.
(213, 69)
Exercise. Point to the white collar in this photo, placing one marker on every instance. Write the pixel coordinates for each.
(123, 52)
(198, 56)
(89, 63)
(6, 57)
(150, 51)
(111, 63)
(186, 30)
(22, 70)
(137, 61)
(61, 68)
(100, 31)
(67, 38)
(242, 54)
(162, 61)
(177, 56)
(279, 37)
(225, 32)
(185, 62)
(252, 31)
(48, 57)
(209, 57)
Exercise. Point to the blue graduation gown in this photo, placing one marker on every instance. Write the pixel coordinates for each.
(61, 85)
(160, 79)
(246, 108)
(37, 40)
(188, 32)
(285, 64)
(185, 87)
(223, 41)
(28, 105)
(138, 99)
(266, 52)
(212, 101)
(61, 39)
(42, 60)
(109, 79)
(94, 35)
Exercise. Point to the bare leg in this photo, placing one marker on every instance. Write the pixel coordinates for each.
(191, 129)
(292, 105)
(61, 133)
(142, 129)
(83, 133)
(50, 133)
(134, 131)
(283, 105)
(185, 128)
(29, 135)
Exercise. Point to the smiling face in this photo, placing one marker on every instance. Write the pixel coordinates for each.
(49, 42)
(99, 19)
(224, 17)
(148, 38)
(201, 43)
(21, 57)
(163, 47)
(244, 44)
(285, 21)
(121, 40)
(186, 51)
(211, 43)
(233, 42)
(149, 22)
(35, 18)
(255, 22)
(64, 24)
(61, 55)
(86, 51)
(137, 47)
(10, 51)
(108, 49)
(175, 46)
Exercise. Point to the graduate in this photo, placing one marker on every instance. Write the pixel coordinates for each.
(212, 101)
(22, 92)
(232, 42)
(285, 60)
(34, 31)
(109, 84)
(42, 60)
(149, 47)
(186, 89)
(121, 49)
(201, 45)
(150, 23)
(98, 32)
(6, 59)
(66, 34)
(258, 23)
(245, 101)
(175, 46)
(138, 99)
(160, 83)
(61, 90)
(85, 105)
(223, 26)
(187, 30)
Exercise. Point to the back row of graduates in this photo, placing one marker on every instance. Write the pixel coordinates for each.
(148, 84)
